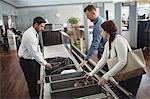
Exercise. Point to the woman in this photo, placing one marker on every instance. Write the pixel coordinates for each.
(115, 46)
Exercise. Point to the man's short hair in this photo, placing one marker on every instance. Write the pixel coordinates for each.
(38, 20)
(90, 8)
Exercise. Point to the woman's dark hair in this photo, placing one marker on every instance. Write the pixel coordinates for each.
(38, 20)
(110, 27)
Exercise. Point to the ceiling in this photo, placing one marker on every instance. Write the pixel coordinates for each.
(27, 3)
(30, 3)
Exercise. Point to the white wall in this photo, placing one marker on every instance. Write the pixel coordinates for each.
(25, 15)
(6, 10)
(110, 8)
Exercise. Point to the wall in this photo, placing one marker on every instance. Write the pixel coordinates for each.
(110, 8)
(6, 10)
(54, 14)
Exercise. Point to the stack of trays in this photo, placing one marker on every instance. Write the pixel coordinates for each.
(74, 85)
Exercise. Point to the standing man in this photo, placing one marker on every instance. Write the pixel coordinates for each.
(98, 42)
(31, 56)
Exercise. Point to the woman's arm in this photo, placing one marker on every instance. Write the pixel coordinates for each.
(122, 50)
(101, 62)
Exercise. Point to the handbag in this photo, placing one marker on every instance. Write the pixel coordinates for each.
(134, 66)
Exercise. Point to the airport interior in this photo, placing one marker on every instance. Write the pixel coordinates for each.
(54, 49)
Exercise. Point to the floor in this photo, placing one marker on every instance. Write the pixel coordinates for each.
(144, 88)
(12, 81)
(13, 84)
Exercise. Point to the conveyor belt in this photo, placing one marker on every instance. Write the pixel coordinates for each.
(61, 86)
(116, 91)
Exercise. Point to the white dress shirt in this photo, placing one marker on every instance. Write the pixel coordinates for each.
(120, 45)
(29, 48)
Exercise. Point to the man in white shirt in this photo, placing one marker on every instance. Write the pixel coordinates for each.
(31, 56)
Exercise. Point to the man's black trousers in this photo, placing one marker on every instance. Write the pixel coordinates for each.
(30, 68)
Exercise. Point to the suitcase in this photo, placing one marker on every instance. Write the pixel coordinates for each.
(59, 64)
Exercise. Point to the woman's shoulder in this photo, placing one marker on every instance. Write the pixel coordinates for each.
(119, 40)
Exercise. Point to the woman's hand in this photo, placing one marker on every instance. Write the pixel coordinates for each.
(102, 81)
(83, 63)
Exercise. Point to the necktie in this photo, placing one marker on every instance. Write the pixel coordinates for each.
(39, 42)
